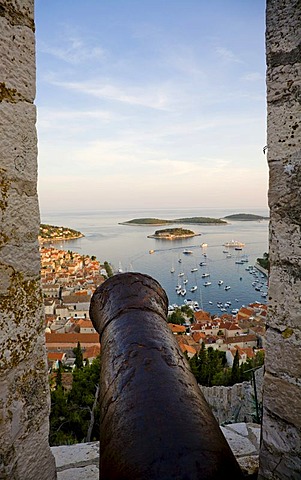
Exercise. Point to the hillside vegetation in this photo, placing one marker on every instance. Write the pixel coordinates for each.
(191, 220)
(245, 217)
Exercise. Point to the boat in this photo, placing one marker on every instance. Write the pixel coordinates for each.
(194, 270)
(239, 262)
(187, 252)
(185, 281)
(234, 311)
(234, 244)
(181, 274)
(206, 284)
(172, 270)
(220, 282)
(202, 264)
(183, 292)
(151, 251)
(204, 275)
(204, 245)
(194, 288)
(227, 287)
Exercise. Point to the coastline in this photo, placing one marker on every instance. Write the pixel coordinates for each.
(58, 239)
(173, 237)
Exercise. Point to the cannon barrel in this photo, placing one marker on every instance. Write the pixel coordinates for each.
(154, 421)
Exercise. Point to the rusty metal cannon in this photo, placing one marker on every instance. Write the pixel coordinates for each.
(155, 422)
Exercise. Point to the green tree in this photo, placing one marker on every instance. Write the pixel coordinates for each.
(78, 356)
(74, 416)
(108, 269)
(235, 371)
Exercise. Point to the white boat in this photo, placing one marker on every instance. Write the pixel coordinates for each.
(204, 245)
(203, 264)
(194, 270)
(181, 274)
(234, 311)
(185, 281)
(234, 243)
(172, 270)
(227, 287)
(220, 282)
(183, 291)
(187, 252)
(204, 275)
(206, 284)
(194, 288)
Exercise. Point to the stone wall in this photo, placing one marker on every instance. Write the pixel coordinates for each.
(280, 456)
(24, 399)
(237, 403)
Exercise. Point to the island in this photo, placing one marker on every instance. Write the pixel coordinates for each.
(246, 217)
(52, 233)
(192, 220)
(173, 233)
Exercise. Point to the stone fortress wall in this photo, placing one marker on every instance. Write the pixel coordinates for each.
(280, 455)
(24, 401)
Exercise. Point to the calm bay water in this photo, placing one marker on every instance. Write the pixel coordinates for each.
(128, 247)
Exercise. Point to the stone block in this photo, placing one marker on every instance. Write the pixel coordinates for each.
(280, 453)
(283, 353)
(18, 143)
(17, 62)
(23, 8)
(283, 399)
(283, 26)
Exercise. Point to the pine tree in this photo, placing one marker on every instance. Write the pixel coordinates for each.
(78, 356)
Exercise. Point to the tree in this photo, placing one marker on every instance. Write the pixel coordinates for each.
(74, 416)
(235, 372)
(78, 356)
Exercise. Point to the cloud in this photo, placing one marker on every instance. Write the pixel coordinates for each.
(71, 49)
(227, 55)
(154, 97)
(252, 77)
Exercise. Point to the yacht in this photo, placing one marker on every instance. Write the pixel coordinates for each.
(234, 243)
(227, 287)
(194, 288)
(220, 282)
(204, 275)
(206, 284)
(187, 252)
(194, 270)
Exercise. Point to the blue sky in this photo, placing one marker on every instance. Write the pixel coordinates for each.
(149, 104)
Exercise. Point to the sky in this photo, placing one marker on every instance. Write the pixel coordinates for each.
(151, 104)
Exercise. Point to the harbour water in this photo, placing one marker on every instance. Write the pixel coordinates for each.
(127, 247)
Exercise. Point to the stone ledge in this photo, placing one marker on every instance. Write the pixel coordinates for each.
(80, 461)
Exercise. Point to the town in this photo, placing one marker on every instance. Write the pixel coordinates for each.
(68, 282)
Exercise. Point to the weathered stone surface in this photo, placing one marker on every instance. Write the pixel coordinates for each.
(232, 404)
(283, 399)
(18, 146)
(284, 359)
(282, 447)
(280, 451)
(24, 391)
(17, 62)
(283, 26)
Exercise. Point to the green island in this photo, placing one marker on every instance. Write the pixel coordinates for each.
(53, 233)
(173, 233)
(191, 220)
(245, 217)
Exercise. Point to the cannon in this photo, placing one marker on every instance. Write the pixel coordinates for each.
(154, 421)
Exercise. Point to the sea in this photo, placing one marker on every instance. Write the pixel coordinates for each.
(127, 248)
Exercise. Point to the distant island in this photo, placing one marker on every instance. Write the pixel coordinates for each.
(245, 217)
(51, 233)
(192, 220)
(173, 233)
